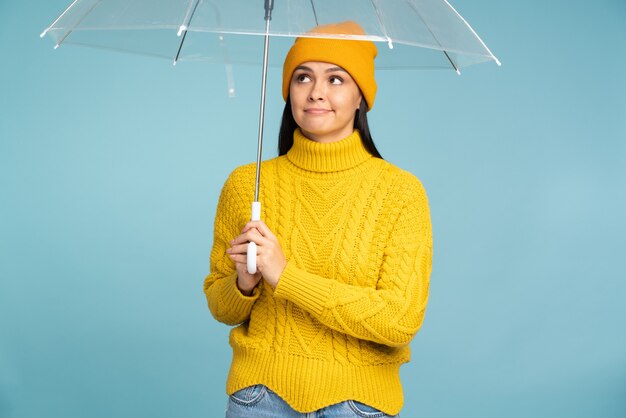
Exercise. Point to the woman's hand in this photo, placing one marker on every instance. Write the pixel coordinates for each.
(270, 259)
(246, 282)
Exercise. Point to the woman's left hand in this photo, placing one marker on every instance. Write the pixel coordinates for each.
(270, 259)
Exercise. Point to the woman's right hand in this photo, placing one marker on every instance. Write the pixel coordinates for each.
(246, 282)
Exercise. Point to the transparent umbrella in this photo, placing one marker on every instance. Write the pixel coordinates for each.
(412, 34)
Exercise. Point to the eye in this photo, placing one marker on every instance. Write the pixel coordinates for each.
(335, 79)
(302, 78)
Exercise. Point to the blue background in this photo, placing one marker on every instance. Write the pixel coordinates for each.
(110, 169)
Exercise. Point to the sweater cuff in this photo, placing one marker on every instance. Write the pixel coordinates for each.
(232, 296)
(308, 291)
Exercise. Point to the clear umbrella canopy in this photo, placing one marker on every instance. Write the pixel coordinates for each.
(412, 33)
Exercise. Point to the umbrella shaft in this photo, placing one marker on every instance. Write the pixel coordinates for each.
(262, 109)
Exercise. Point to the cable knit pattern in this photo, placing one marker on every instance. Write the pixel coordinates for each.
(357, 236)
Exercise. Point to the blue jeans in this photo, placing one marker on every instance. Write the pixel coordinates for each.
(259, 402)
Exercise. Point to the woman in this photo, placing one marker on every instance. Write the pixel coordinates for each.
(343, 254)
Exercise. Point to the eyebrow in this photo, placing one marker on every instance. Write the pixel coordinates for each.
(328, 70)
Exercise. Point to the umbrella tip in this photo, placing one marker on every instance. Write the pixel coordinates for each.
(42, 34)
(57, 46)
(458, 71)
(497, 62)
(181, 30)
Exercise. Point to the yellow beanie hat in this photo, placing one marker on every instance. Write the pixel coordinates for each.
(354, 56)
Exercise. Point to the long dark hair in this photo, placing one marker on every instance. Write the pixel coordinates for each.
(288, 125)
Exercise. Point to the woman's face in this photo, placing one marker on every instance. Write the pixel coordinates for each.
(324, 99)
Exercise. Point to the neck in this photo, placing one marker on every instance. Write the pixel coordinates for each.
(327, 157)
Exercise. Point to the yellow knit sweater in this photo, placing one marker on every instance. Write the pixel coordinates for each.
(357, 236)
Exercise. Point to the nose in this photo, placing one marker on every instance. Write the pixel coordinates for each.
(317, 91)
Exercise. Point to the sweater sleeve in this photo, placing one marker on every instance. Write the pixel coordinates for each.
(390, 313)
(225, 300)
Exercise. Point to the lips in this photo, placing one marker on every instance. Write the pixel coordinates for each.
(317, 111)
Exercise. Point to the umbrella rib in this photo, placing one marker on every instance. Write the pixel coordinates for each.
(180, 47)
(382, 25)
(191, 10)
(57, 19)
(183, 28)
(230, 78)
(314, 13)
(58, 44)
(412, 6)
(474, 32)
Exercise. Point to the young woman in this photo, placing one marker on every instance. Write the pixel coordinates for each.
(343, 254)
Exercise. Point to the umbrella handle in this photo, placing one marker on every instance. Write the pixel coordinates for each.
(256, 216)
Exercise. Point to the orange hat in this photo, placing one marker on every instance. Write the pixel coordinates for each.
(354, 56)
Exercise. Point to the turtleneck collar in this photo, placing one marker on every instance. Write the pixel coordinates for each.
(330, 157)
